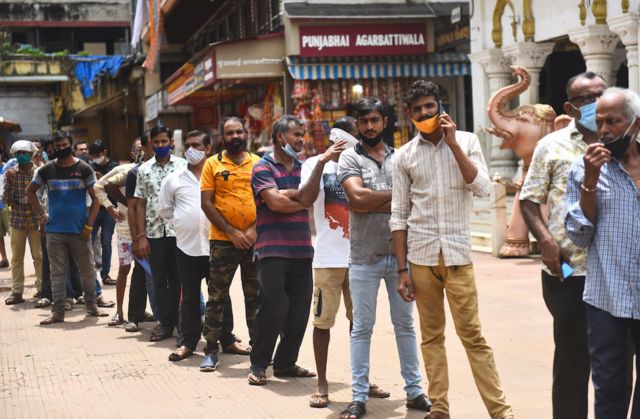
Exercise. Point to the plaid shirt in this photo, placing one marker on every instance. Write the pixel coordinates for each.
(15, 195)
(613, 242)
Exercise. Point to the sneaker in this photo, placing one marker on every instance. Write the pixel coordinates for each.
(102, 302)
(132, 327)
(80, 300)
(68, 304)
(43, 302)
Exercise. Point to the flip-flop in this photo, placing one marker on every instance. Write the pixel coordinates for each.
(295, 371)
(116, 320)
(377, 393)
(319, 400)
(257, 377)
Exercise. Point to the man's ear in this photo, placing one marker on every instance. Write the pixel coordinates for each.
(385, 121)
(569, 109)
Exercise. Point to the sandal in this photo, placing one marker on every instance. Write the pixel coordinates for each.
(14, 299)
(53, 318)
(108, 281)
(377, 393)
(421, 402)
(257, 377)
(295, 371)
(319, 400)
(4, 264)
(354, 410)
(181, 353)
(116, 320)
(68, 304)
(43, 302)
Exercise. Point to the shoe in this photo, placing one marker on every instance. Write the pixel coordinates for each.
(14, 299)
(68, 303)
(437, 415)
(131, 327)
(93, 311)
(421, 402)
(80, 300)
(53, 318)
(209, 363)
(98, 265)
(237, 348)
(43, 302)
(148, 317)
(102, 302)
(183, 352)
(161, 334)
(107, 280)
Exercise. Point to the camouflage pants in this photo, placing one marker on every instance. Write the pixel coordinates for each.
(224, 261)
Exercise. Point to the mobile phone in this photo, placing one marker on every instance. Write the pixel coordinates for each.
(567, 270)
(441, 109)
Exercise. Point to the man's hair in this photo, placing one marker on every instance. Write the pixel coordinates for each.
(346, 123)
(75, 146)
(61, 135)
(283, 125)
(233, 119)
(631, 100)
(366, 105)
(590, 75)
(146, 136)
(206, 140)
(159, 129)
(97, 147)
(421, 88)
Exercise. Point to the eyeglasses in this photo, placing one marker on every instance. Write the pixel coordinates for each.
(585, 99)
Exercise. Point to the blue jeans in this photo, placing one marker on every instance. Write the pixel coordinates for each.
(74, 282)
(107, 224)
(364, 281)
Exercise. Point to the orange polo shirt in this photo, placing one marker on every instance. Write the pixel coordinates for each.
(232, 186)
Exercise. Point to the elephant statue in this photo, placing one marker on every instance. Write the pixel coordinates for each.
(520, 129)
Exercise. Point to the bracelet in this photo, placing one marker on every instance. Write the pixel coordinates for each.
(141, 235)
(88, 227)
(403, 270)
(584, 188)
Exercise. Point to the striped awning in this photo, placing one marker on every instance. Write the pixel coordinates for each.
(346, 68)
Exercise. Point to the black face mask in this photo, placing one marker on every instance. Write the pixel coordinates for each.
(371, 142)
(63, 153)
(618, 146)
(235, 146)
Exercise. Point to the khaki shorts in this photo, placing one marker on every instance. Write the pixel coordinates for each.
(5, 214)
(329, 283)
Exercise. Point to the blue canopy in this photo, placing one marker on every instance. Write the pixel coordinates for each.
(88, 68)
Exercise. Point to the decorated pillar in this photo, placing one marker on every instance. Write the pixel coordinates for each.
(496, 67)
(597, 44)
(531, 56)
(626, 27)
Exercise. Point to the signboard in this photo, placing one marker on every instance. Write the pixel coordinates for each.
(254, 58)
(151, 108)
(191, 77)
(452, 36)
(338, 41)
(456, 14)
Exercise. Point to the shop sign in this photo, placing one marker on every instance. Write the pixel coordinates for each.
(254, 58)
(452, 36)
(151, 108)
(191, 77)
(336, 41)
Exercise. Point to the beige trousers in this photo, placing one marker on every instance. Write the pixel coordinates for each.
(18, 244)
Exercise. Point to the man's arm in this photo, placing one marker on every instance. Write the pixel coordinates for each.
(280, 202)
(552, 254)
(365, 199)
(238, 238)
(8, 194)
(167, 198)
(34, 201)
(93, 213)
(467, 168)
(308, 192)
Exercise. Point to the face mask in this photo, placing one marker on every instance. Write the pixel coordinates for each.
(63, 153)
(193, 156)
(290, 152)
(235, 145)
(45, 156)
(99, 160)
(371, 142)
(162, 152)
(588, 116)
(23, 159)
(428, 125)
(618, 146)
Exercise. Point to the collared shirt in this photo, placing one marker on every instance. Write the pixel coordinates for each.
(432, 201)
(613, 243)
(233, 197)
(369, 234)
(180, 205)
(546, 183)
(150, 177)
(279, 235)
(17, 179)
(116, 177)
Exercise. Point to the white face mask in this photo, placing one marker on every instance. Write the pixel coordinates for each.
(99, 160)
(193, 156)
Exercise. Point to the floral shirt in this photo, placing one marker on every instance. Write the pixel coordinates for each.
(150, 177)
(546, 183)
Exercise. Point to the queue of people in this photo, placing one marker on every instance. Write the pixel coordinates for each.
(381, 215)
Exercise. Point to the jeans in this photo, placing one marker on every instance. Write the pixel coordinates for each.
(608, 339)
(74, 282)
(107, 225)
(571, 365)
(166, 280)
(285, 287)
(364, 281)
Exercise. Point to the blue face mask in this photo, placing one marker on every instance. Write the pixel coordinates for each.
(290, 152)
(45, 156)
(162, 152)
(588, 117)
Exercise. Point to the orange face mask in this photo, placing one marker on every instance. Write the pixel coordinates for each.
(428, 125)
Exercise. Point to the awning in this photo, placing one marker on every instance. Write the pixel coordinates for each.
(436, 65)
(33, 79)
(10, 126)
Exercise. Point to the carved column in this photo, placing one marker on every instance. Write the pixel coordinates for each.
(496, 67)
(532, 56)
(626, 27)
(597, 44)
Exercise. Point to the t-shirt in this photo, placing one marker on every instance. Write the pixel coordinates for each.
(131, 182)
(103, 169)
(279, 235)
(369, 233)
(67, 195)
(330, 216)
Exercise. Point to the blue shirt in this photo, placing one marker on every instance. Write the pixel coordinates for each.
(613, 243)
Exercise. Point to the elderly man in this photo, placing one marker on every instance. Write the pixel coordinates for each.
(24, 225)
(602, 208)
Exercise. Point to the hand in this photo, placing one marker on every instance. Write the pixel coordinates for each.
(141, 248)
(405, 287)
(9, 175)
(251, 234)
(239, 240)
(42, 221)
(115, 214)
(552, 256)
(333, 151)
(85, 234)
(595, 157)
(449, 128)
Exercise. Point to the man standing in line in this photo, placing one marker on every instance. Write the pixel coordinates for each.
(156, 237)
(24, 225)
(435, 177)
(546, 183)
(67, 225)
(365, 172)
(81, 150)
(283, 250)
(228, 203)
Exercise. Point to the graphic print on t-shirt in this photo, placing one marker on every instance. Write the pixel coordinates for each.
(336, 210)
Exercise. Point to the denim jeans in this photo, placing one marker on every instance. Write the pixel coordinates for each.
(107, 225)
(74, 283)
(364, 281)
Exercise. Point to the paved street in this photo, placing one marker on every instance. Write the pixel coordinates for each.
(82, 368)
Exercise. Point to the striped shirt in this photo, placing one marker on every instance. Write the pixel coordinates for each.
(279, 235)
(431, 200)
(613, 243)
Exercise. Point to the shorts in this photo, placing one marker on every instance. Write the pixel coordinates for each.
(125, 251)
(329, 283)
(5, 215)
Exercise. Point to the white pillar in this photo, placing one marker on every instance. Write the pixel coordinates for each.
(597, 44)
(496, 67)
(626, 27)
(531, 56)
